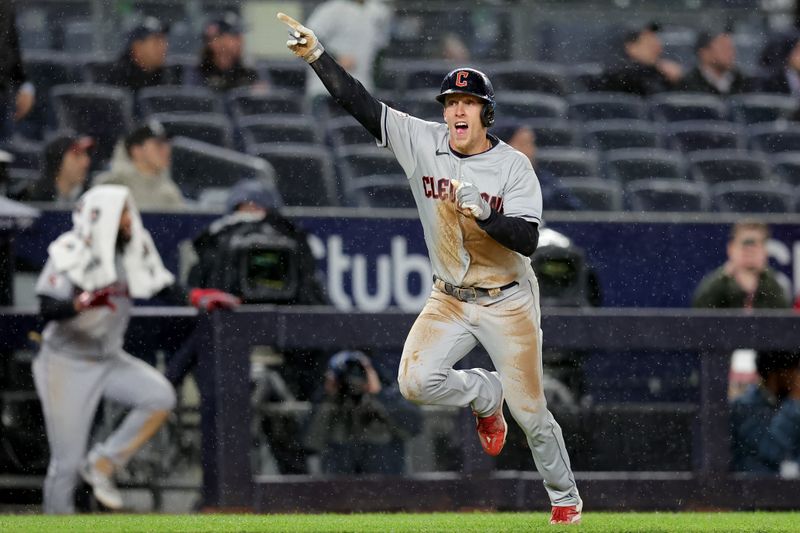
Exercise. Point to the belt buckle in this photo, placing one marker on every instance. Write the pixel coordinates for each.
(495, 292)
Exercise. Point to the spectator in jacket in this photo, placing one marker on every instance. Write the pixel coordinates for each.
(716, 71)
(221, 67)
(66, 165)
(142, 163)
(143, 62)
(782, 57)
(765, 421)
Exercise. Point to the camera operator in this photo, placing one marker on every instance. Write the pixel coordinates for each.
(261, 257)
(359, 424)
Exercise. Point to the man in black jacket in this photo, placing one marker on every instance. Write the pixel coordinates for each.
(16, 93)
(142, 63)
(716, 71)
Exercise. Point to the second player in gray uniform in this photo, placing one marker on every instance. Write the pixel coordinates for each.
(480, 205)
(85, 291)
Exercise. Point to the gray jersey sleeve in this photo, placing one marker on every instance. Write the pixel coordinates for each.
(402, 134)
(522, 197)
(54, 284)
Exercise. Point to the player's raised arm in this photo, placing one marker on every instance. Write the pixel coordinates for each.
(346, 90)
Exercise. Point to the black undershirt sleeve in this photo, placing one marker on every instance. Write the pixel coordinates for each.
(54, 309)
(514, 233)
(349, 93)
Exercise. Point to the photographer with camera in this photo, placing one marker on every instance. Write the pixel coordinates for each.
(359, 424)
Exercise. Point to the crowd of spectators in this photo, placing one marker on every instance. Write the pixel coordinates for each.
(582, 122)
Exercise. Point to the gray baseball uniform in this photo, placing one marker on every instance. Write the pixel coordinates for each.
(506, 324)
(81, 361)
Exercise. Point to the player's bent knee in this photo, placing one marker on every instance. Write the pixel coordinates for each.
(419, 388)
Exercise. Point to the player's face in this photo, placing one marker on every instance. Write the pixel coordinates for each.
(748, 250)
(125, 225)
(462, 113)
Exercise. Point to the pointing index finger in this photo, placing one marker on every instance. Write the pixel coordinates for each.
(289, 21)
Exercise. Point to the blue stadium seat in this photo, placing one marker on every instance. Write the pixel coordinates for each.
(46, 69)
(382, 191)
(197, 166)
(211, 128)
(632, 164)
(719, 166)
(304, 173)
(596, 194)
(755, 108)
(286, 74)
(667, 195)
(422, 104)
(247, 101)
(178, 99)
(366, 160)
(786, 166)
(605, 106)
(693, 135)
(258, 129)
(753, 197)
(530, 105)
(569, 162)
(774, 137)
(674, 107)
(345, 131)
(100, 111)
(621, 133)
(528, 76)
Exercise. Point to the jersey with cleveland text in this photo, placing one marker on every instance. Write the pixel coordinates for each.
(460, 251)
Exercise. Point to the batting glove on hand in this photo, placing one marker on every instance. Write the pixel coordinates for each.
(469, 198)
(100, 298)
(302, 40)
(212, 299)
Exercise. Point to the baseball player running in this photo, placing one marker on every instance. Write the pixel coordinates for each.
(85, 292)
(480, 205)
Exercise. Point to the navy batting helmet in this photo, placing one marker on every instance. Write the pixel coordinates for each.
(470, 81)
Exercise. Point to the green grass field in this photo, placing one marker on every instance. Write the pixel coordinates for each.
(479, 521)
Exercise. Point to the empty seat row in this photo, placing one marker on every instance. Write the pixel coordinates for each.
(742, 196)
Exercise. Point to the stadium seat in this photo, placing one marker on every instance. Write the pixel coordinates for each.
(382, 191)
(97, 66)
(621, 133)
(596, 194)
(425, 75)
(528, 76)
(246, 101)
(304, 174)
(694, 135)
(367, 160)
(345, 131)
(674, 107)
(46, 69)
(27, 154)
(632, 164)
(100, 111)
(421, 104)
(20, 179)
(605, 106)
(553, 133)
(79, 36)
(719, 166)
(753, 197)
(761, 107)
(530, 105)
(569, 162)
(286, 74)
(197, 166)
(775, 137)
(177, 99)
(666, 195)
(211, 128)
(258, 129)
(786, 166)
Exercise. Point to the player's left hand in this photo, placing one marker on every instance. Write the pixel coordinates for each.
(212, 299)
(469, 198)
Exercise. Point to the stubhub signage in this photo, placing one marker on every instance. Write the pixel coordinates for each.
(371, 264)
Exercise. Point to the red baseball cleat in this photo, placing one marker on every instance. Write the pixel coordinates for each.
(568, 515)
(492, 431)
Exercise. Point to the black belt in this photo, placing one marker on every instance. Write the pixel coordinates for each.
(465, 294)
